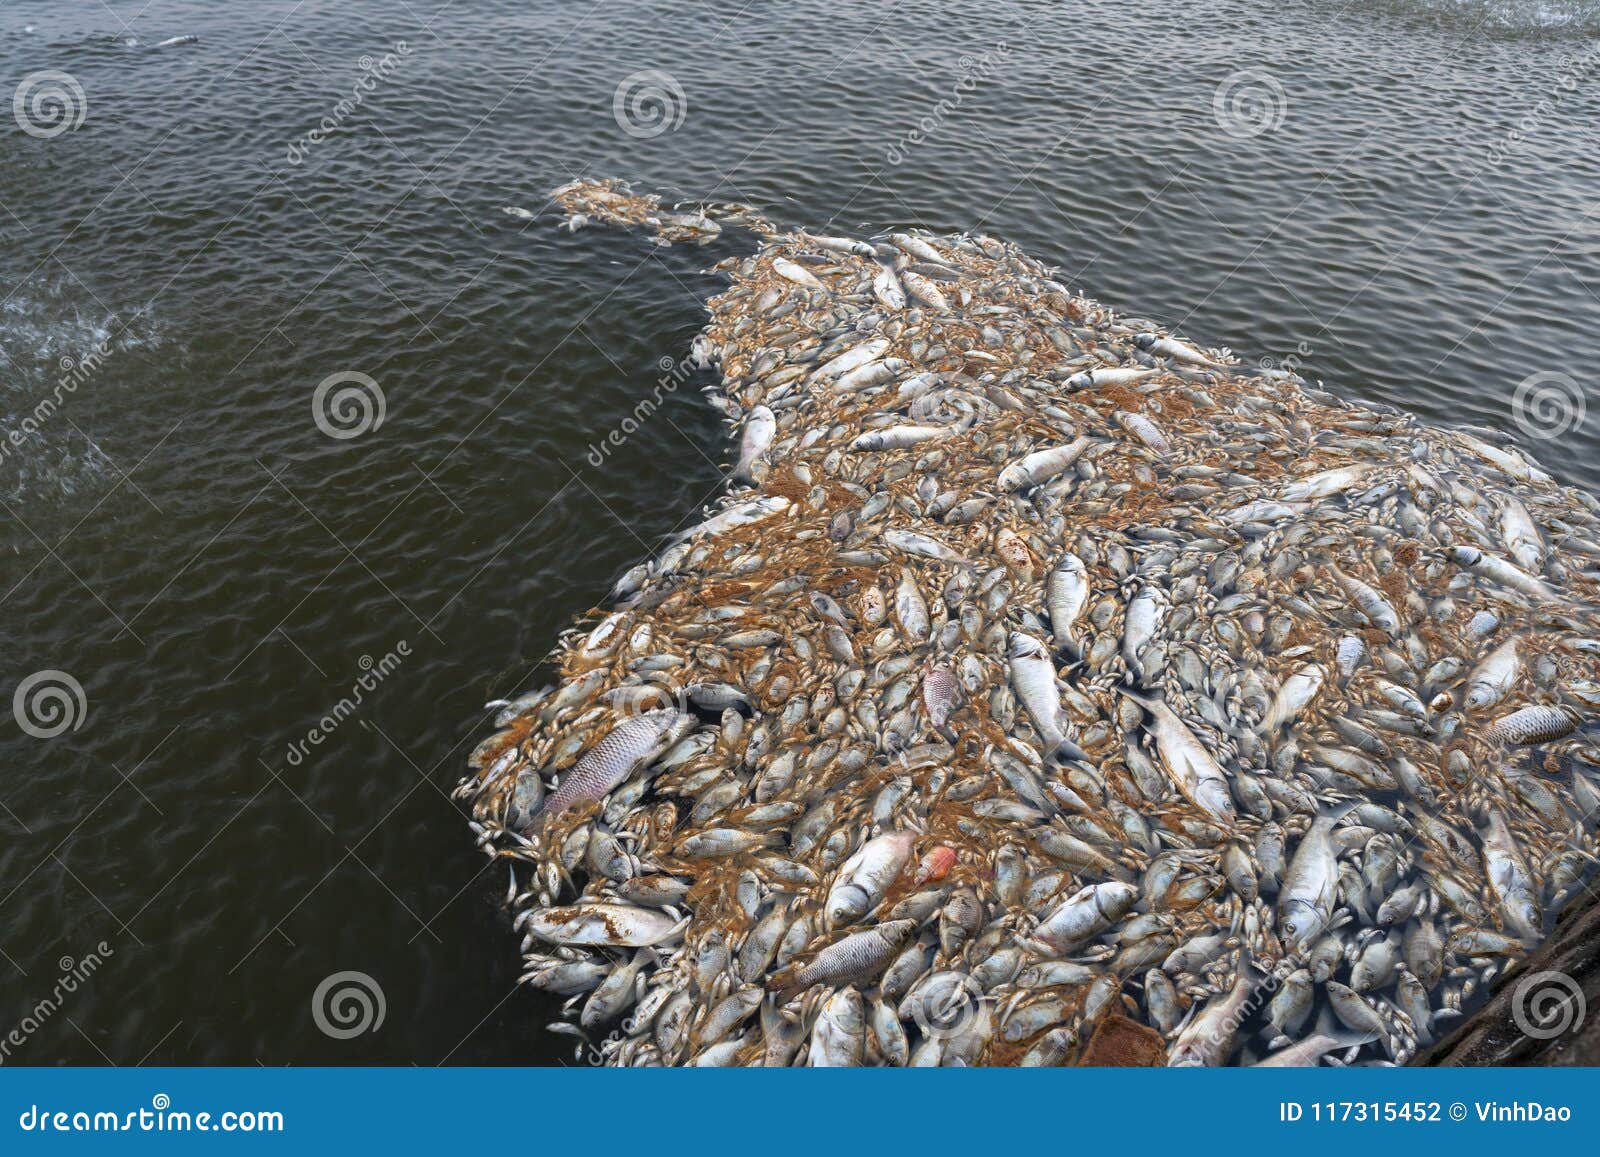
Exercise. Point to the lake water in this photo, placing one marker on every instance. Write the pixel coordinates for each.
(283, 637)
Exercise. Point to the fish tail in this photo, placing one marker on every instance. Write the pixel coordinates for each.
(1140, 699)
(1069, 653)
(1066, 751)
(1335, 812)
(785, 984)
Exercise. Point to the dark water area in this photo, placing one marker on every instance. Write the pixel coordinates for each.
(284, 637)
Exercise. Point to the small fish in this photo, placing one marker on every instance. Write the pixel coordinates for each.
(924, 291)
(1369, 601)
(1066, 593)
(899, 437)
(1085, 914)
(1170, 347)
(1297, 692)
(1194, 771)
(865, 877)
(1351, 653)
(1209, 1037)
(1510, 881)
(887, 289)
(941, 692)
(912, 542)
(935, 866)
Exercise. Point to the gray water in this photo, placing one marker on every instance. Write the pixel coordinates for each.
(1417, 222)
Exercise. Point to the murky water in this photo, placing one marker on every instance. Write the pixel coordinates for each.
(283, 637)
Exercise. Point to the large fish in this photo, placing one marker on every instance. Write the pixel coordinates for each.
(1193, 770)
(629, 746)
(1306, 899)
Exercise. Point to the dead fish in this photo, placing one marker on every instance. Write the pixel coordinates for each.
(1040, 666)
(611, 925)
(1538, 723)
(627, 748)
(856, 957)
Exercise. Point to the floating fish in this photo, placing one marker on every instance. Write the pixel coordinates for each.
(1040, 667)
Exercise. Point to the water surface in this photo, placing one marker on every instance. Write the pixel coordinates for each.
(1419, 224)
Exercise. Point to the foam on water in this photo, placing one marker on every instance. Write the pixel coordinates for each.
(1488, 16)
(57, 352)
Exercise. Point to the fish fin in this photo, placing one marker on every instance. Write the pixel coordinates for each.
(1351, 1039)
(1177, 1029)
(1141, 700)
(1067, 750)
(1071, 652)
(1342, 1038)
(784, 985)
(1333, 813)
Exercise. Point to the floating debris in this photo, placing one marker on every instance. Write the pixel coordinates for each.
(1045, 690)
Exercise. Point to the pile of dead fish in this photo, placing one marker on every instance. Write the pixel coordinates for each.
(1038, 673)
